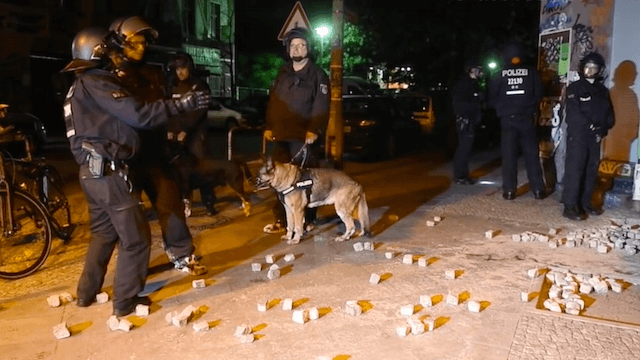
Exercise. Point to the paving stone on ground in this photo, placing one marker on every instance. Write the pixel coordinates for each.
(541, 336)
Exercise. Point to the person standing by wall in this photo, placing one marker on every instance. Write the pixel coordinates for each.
(589, 118)
(467, 100)
(297, 113)
(515, 91)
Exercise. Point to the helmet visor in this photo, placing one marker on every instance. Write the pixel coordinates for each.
(591, 70)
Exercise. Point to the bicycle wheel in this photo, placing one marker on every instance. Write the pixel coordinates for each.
(54, 199)
(24, 247)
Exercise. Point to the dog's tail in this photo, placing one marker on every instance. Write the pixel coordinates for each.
(245, 169)
(363, 215)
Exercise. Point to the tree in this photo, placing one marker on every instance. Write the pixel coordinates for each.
(259, 71)
(357, 45)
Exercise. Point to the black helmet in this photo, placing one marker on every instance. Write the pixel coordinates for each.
(595, 58)
(181, 59)
(513, 53)
(87, 49)
(297, 33)
(125, 27)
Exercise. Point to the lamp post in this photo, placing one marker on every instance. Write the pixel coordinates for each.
(322, 31)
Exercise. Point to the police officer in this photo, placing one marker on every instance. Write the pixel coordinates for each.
(589, 118)
(515, 92)
(297, 112)
(102, 119)
(156, 176)
(467, 102)
(186, 133)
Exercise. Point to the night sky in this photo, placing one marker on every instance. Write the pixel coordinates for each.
(258, 22)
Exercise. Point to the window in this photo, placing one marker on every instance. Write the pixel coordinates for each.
(214, 21)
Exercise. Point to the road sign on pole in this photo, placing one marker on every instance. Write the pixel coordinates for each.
(297, 18)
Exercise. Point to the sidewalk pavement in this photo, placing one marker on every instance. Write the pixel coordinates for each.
(326, 274)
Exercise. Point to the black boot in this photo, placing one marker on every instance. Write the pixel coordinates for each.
(572, 213)
(211, 210)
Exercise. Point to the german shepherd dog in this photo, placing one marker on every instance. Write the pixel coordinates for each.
(328, 187)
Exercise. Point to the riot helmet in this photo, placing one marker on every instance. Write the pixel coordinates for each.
(592, 66)
(130, 36)
(177, 65)
(126, 27)
(88, 49)
(297, 33)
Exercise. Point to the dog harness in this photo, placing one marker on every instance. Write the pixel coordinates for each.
(303, 183)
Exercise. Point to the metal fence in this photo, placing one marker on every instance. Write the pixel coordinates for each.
(242, 92)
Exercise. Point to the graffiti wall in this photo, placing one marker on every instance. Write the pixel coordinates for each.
(569, 29)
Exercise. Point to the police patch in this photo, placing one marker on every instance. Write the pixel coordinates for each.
(324, 88)
(119, 94)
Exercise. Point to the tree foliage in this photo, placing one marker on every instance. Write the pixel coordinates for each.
(358, 48)
(259, 71)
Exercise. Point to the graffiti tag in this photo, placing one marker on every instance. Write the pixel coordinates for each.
(555, 5)
(583, 38)
(555, 22)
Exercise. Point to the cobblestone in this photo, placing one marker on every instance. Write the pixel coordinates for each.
(572, 339)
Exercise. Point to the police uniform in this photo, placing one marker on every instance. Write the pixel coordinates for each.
(515, 93)
(187, 154)
(589, 118)
(99, 112)
(155, 174)
(467, 97)
(298, 102)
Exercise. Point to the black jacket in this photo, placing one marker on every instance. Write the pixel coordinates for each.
(100, 110)
(192, 123)
(516, 90)
(589, 109)
(298, 102)
(467, 99)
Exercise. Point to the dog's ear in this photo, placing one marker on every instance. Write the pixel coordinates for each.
(269, 162)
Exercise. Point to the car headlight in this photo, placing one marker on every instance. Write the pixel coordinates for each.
(367, 123)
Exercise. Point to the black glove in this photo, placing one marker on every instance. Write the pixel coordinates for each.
(193, 100)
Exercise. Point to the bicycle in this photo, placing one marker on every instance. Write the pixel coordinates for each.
(32, 208)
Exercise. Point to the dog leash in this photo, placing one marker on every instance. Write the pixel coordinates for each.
(304, 150)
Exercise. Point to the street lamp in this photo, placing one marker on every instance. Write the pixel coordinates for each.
(322, 31)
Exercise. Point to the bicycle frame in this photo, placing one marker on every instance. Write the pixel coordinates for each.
(6, 213)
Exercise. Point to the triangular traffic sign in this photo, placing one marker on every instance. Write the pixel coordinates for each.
(297, 18)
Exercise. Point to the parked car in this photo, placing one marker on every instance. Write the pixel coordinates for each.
(420, 107)
(355, 86)
(256, 105)
(375, 128)
(220, 116)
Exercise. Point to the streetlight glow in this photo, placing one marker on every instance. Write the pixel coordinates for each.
(322, 31)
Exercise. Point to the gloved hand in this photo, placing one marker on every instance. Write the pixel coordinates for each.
(310, 137)
(193, 100)
(268, 135)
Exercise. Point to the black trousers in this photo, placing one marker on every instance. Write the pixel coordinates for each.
(463, 152)
(520, 134)
(117, 219)
(580, 169)
(283, 152)
(161, 185)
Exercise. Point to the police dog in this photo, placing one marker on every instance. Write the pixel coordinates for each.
(328, 187)
(231, 173)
